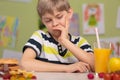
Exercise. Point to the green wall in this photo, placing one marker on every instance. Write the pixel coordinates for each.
(110, 17)
(27, 14)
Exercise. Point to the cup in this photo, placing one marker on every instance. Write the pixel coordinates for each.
(102, 56)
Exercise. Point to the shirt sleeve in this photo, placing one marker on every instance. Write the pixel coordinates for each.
(83, 44)
(35, 42)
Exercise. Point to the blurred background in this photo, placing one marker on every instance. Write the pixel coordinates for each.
(19, 19)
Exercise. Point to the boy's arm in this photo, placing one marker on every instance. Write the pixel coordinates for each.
(29, 63)
(79, 53)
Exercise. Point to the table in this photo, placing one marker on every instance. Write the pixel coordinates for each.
(62, 76)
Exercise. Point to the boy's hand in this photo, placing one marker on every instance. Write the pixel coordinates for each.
(62, 30)
(78, 67)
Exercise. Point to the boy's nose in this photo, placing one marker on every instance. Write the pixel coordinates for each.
(55, 23)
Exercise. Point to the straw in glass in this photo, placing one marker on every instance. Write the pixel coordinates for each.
(97, 37)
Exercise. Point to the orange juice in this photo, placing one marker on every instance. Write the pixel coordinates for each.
(101, 59)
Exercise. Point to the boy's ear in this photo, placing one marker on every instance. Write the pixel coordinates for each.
(70, 13)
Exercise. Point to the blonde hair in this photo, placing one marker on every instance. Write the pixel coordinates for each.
(47, 6)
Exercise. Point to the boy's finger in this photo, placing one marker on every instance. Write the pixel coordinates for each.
(66, 22)
(88, 67)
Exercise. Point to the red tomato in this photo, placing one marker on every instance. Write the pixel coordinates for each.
(90, 76)
(107, 76)
(34, 77)
(112, 74)
(116, 76)
(101, 75)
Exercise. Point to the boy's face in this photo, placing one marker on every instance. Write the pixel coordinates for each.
(58, 19)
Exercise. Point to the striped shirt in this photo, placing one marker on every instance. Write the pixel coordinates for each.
(49, 50)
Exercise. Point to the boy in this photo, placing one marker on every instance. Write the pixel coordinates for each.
(56, 50)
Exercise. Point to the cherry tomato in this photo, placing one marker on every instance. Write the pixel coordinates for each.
(6, 76)
(116, 76)
(34, 77)
(101, 75)
(107, 76)
(112, 74)
(90, 76)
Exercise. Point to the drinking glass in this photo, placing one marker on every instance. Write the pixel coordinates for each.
(102, 56)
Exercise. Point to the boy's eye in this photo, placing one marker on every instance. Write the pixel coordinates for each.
(59, 17)
(48, 20)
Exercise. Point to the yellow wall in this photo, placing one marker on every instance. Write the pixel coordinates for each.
(27, 14)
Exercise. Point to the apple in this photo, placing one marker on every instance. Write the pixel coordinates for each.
(114, 64)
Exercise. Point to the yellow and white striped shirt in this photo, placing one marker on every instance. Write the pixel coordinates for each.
(49, 50)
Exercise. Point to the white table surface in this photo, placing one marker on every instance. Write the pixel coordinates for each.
(62, 76)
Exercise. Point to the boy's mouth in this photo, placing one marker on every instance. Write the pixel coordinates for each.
(56, 32)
